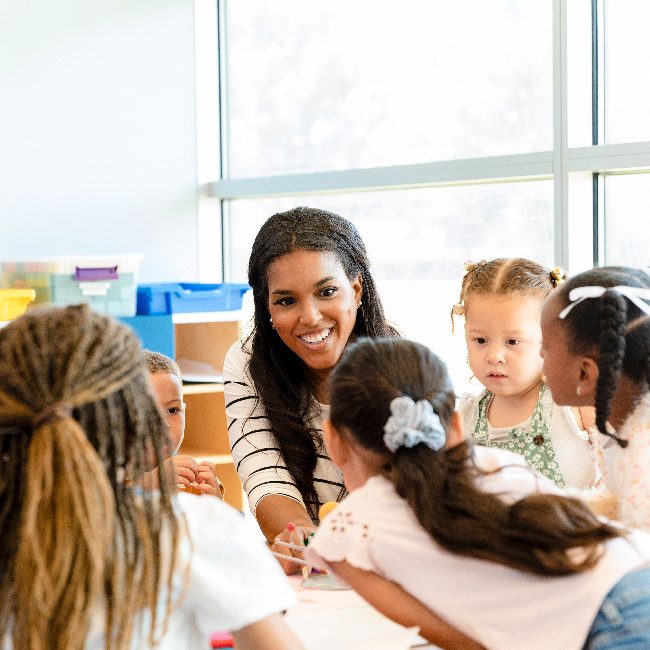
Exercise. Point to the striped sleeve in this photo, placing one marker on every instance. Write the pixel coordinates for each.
(257, 458)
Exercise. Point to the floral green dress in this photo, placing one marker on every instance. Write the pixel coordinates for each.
(531, 438)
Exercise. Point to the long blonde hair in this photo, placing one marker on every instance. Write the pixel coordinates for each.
(76, 413)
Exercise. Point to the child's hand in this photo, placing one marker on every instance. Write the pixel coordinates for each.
(294, 535)
(207, 480)
(184, 468)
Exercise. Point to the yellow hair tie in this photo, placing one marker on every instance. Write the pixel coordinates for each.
(558, 276)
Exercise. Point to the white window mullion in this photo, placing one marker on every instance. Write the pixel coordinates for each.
(560, 139)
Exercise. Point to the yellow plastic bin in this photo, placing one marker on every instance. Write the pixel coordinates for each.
(13, 302)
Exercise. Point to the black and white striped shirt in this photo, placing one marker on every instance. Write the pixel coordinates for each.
(255, 451)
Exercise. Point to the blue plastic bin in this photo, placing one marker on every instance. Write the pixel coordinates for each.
(174, 298)
(155, 332)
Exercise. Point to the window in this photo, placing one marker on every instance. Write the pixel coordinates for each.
(341, 85)
(444, 131)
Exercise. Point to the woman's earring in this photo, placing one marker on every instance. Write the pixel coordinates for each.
(579, 391)
(271, 321)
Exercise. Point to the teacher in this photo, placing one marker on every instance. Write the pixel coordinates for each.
(313, 294)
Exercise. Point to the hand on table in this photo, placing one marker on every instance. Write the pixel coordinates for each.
(294, 534)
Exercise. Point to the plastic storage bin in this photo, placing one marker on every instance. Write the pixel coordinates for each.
(33, 274)
(108, 283)
(13, 302)
(174, 298)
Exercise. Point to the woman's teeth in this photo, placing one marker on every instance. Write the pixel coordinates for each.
(316, 337)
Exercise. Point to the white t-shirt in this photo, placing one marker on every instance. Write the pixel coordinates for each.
(255, 451)
(503, 608)
(233, 579)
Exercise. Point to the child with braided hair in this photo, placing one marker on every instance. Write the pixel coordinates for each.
(501, 301)
(465, 541)
(596, 349)
(87, 561)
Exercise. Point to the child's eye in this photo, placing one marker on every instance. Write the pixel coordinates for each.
(512, 341)
(480, 340)
(328, 292)
(173, 410)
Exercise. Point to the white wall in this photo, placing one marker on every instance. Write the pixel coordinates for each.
(98, 132)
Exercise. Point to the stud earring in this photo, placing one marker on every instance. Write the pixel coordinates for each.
(271, 321)
(579, 391)
(359, 304)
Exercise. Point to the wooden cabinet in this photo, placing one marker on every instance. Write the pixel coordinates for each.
(205, 338)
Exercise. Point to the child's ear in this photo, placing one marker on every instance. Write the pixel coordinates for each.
(335, 443)
(588, 379)
(456, 430)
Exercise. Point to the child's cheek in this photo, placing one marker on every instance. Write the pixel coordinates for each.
(176, 430)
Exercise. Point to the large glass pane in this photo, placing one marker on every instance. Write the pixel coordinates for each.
(418, 242)
(339, 84)
(627, 227)
(579, 70)
(627, 93)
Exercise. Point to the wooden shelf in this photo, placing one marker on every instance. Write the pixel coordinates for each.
(201, 389)
(205, 338)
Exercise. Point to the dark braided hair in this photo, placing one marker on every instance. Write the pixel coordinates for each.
(76, 414)
(613, 329)
(281, 379)
(534, 534)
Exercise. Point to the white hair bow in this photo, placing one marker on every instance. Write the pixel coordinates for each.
(634, 294)
(411, 423)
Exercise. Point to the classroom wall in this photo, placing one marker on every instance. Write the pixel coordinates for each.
(98, 131)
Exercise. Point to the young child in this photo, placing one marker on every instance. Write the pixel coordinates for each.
(596, 349)
(480, 542)
(501, 301)
(165, 376)
(87, 562)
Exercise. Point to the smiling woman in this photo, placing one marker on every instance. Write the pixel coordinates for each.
(313, 307)
(313, 294)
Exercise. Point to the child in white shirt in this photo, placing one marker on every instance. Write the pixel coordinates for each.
(89, 562)
(483, 545)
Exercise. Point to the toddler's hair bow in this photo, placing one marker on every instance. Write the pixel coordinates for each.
(635, 295)
(411, 423)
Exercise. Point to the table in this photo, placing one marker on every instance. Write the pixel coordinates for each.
(324, 620)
